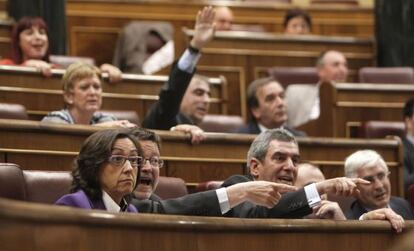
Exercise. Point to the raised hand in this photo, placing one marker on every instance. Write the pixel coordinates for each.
(204, 28)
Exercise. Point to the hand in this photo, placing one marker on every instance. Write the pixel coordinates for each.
(329, 210)
(115, 74)
(197, 134)
(42, 66)
(204, 28)
(396, 220)
(340, 186)
(117, 123)
(262, 193)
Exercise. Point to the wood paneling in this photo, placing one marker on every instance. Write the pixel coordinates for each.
(216, 158)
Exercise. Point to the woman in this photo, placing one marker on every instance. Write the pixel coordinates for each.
(106, 172)
(297, 22)
(82, 94)
(30, 47)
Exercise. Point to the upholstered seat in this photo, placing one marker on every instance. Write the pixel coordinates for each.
(221, 123)
(294, 75)
(381, 129)
(131, 116)
(397, 75)
(12, 111)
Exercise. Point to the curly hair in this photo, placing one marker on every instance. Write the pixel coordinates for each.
(94, 153)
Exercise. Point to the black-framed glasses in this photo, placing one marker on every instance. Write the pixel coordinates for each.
(119, 160)
(379, 176)
(154, 162)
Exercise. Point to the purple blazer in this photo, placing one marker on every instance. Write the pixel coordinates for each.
(80, 199)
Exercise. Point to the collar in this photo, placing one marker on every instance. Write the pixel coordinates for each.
(262, 128)
(111, 205)
(410, 138)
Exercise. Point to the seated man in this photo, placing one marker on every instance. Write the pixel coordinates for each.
(408, 141)
(181, 101)
(266, 101)
(224, 18)
(209, 203)
(374, 200)
(274, 156)
(303, 99)
(308, 174)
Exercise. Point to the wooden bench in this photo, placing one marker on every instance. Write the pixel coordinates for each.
(216, 158)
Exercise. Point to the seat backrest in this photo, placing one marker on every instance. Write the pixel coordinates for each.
(13, 111)
(398, 75)
(410, 195)
(12, 185)
(65, 61)
(381, 129)
(221, 123)
(131, 116)
(171, 187)
(294, 75)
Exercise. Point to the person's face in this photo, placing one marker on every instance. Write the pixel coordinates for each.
(33, 42)
(307, 175)
(271, 111)
(150, 174)
(297, 25)
(86, 95)
(120, 180)
(377, 194)
(409, 125)
(196, 100)
(223, 19)
(279, 165)
(335, 67)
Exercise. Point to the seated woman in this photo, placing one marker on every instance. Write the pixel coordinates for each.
(30, 47)
(82, 94)
(297, 22)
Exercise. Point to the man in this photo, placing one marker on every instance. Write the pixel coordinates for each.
(273, 156)
(303, 99)
(224, 18)
(374, 200)
(266, 102)
(209, 203)
(178, 104)
(308, 174)
(409, 143)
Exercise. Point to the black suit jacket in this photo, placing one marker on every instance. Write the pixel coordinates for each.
(292, 205)
(199, 204)
(399, 205)
(253, 128)
(165, 113)
(408, 163)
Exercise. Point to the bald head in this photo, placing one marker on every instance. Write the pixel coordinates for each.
(332, 66)
(307, 174)
(223, 18)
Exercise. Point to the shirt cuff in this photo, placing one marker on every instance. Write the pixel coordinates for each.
(223, 200)
(312, 195)
(188, 61)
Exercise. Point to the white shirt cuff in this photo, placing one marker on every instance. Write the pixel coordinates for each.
(188, 61)
(312, 195)
(223, 200)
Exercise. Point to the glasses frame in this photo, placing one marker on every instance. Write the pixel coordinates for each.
(160, 162)
(124, 159)
(378, 176)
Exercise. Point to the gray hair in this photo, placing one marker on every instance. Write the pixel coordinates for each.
(362, 159)
(260, 145)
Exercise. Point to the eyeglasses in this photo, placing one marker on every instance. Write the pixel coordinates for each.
(154, 162)
(380, 177)
(119, 160)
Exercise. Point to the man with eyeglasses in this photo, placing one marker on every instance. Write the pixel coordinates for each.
(209, 203)
(374, 202)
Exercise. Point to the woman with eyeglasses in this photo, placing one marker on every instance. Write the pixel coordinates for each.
(105, 172)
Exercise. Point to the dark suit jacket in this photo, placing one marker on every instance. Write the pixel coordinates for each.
(165, 113)
(199, 204)
(253, 128)
(399, 205)
(292, 205)
(408, 163)
(81, 200)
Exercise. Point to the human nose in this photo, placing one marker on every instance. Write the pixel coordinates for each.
(290, 165)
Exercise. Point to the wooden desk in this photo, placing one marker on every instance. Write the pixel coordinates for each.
(136, 92)
(26, 226)
(345, 106)
(218, 157)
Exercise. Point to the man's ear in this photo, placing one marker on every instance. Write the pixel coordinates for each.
(408, 124)
(256, 113)
(254, 167)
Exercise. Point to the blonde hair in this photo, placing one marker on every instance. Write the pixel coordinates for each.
(76, 72)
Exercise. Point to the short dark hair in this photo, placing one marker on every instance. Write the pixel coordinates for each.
(292, 13)
(408, 108)
(252, 100)
(94, 153)
(24, 23)
(144, 134)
